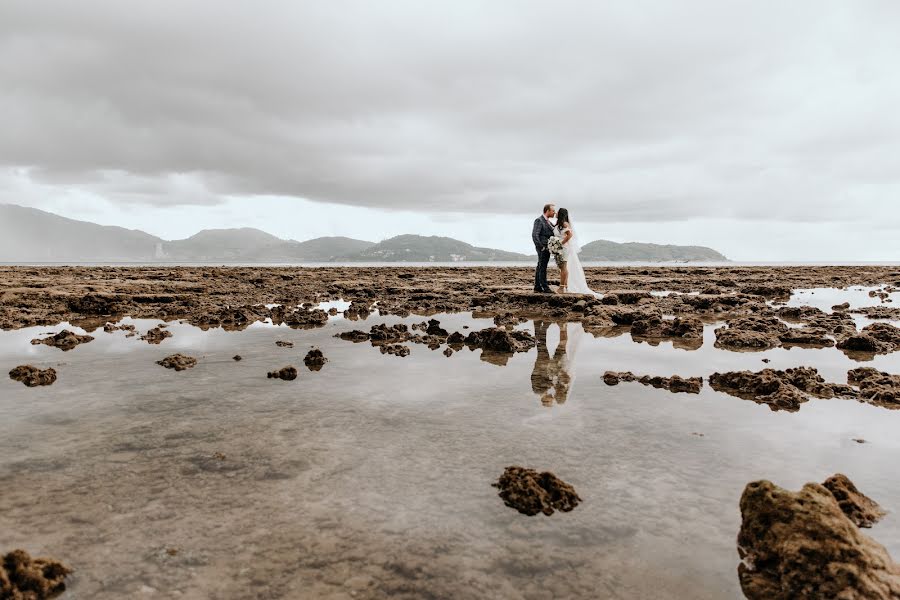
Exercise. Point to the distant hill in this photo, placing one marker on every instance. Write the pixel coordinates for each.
(32, 235)
(603, 250)
(417, 248)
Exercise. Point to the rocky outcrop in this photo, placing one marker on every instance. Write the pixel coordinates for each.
(876, 387)
(179, 362)
(288, 373)
(877, 338)
(859, 508)
(531, 493)
(657, 327)
(801, 546)
(496, 339)
(780, 390)
(315, 360)
(156, 335)
(750, 333)
(674, 384)
(65, 340)
(395, 350)
(32, 376)
(25, 578)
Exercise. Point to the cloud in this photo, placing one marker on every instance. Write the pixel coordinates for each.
(629, 111)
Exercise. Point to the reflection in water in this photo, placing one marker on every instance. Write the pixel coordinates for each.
(552, 376)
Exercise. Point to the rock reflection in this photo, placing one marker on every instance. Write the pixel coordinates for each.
(552, 376)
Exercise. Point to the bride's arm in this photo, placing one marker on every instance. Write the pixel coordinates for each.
(567, 235)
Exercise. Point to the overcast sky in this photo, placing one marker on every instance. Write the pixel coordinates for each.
(769, 130)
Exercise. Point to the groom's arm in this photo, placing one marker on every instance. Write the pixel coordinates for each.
(535, 234)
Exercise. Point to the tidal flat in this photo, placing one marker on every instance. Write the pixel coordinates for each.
(369, 474)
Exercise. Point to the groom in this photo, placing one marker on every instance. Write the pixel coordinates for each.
(540, 235)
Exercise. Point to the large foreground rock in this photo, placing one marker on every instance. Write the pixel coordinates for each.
(859, 508)
(65, 340)
(25, 578)
(780, 390)
(32, 376)
(800, 546)
(530, 492)
(876, 387)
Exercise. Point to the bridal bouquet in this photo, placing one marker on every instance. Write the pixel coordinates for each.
(556, 248)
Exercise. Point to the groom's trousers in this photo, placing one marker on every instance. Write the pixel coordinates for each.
(540, 274)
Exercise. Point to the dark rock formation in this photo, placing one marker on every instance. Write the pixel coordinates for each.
(284, 344)
(25, 578)
(315, 360)
(657, 327)
(780, 390)
(750, 333)
(876, 387)
(354, 336)
(237, 357)
(65, 340)
(179, 362)
(395, 350)
(675, 384)
(497, 339)
(801, 546)
(288, 373)
(530, 492)
(859, 508)
(32, 376)
(156, 335)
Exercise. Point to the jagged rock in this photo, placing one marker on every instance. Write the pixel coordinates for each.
(806, 336)
(179, 362)
(156, 335)
(65, 340)
(315, 360)
(434, 328)
(841, 307)
(780, 390)
(288, 373)
(284, 344)
(112, 327)
(95, 304)
(876, 387)
(393, 334)
(859, 508)
(354, 336)
(25, 578)
(752, 333)
(657, 327)
(879, 312)
(395, 350)
(448, 352)
(500, 340)
(801, 546)
(626, 296)
(304, 319)
(768, 291)
(358, 309)
(530, 492)
(456, 339)
(32, 376)
(674, 384)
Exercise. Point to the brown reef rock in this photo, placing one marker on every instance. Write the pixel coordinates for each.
(179, 362)
(288, 373)
(530, 492)
(25, 578)
(859, 508)
(284, 344)
(500, 340)
(65, 340)
(395, 350)
(32, 376)
(675, 384)
(876, 387)
(801, 546)
(156, 335)
(315, 360)
(780, 390)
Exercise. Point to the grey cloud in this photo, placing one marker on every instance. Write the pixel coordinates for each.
(632, 111)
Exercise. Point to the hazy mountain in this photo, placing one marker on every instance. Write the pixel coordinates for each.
(31, 235)
(417, 248)
(603, 250)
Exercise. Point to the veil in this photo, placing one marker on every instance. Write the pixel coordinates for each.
(577, 280)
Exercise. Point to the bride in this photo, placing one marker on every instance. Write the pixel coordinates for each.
(571, 273)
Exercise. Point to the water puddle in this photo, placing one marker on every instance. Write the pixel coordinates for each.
(372, 477)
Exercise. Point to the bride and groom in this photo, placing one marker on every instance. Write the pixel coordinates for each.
(558, 238)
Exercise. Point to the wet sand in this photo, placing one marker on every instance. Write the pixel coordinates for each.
(372, 477)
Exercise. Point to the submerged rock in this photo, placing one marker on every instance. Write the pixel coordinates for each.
(25, 578)
(500, 340)
(780, 390)
(179, 362)
(32, 376)
(530, 492)
(237, 357)
(800, 545)
(315, 360)
(675, 384)
(65, 340)
(156, 335)
(859, 508)
(284, 344)
(288, 373)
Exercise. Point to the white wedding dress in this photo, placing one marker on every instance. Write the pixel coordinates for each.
(577, 280)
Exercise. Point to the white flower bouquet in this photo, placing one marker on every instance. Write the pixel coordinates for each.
(556, 248)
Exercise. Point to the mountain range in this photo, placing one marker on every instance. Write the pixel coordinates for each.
(32, 235)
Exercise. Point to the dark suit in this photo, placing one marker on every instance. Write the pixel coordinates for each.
(540, 235)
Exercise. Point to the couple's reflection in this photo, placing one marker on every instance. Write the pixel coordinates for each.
(552, 376)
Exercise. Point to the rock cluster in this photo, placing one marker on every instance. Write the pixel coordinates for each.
(315, 360)
(288, 373)
(32, 376)
(65, 340)
(25, 578)
(395, 350)
(780, 390)
(179, 362)
(675, 384)
(876, 387)
(531, 493)
(156, 335)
